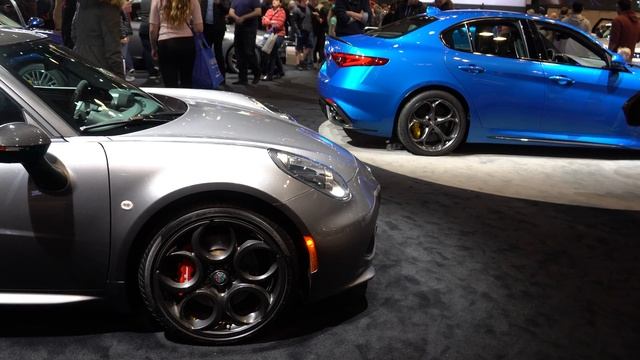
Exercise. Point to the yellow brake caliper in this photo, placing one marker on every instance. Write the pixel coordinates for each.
(416, 130)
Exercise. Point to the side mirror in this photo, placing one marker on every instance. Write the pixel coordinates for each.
(22, 143)
(25, 144)
(618, 62)
(35, 22)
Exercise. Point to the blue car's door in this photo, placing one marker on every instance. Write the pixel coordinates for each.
(503, 86)
(584, 96)
(54, 241)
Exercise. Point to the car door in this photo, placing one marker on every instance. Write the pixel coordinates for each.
(491, 61)
(53, 241)
(584, 96)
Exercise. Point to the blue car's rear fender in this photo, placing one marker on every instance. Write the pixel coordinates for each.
(373, 96)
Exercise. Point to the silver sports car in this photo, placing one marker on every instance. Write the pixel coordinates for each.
(211, 207)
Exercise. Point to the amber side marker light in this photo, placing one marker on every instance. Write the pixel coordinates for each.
(313, 255)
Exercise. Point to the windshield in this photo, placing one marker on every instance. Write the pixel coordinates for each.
(82, 95)
(4, 20)
(401, 27)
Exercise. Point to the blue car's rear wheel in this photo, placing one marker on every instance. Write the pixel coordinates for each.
(218, 274)
(432, 123)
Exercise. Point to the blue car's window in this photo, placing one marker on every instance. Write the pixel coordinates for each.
(9, 110)
(457, 38)
(401, 27)
(566, 47)
(497, 37)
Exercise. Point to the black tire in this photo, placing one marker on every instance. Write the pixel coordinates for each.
(230, 58)
(242, 267)
(432, 123)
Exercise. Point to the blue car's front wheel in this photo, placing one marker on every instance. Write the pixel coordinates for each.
(432, 123)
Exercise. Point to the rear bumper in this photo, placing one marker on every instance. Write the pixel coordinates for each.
(334, 113)
(357, 105)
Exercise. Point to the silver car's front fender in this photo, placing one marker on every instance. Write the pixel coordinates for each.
(146, 179)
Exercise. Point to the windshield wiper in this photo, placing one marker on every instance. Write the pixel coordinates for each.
(157, 115)
(137, 120)
(122, 123)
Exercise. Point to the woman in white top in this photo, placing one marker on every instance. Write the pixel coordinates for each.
(172, 39)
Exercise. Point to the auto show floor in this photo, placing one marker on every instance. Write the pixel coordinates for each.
(469, 266)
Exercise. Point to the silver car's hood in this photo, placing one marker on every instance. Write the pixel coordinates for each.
(222, 117)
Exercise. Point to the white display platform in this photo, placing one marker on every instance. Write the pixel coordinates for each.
(594, 182)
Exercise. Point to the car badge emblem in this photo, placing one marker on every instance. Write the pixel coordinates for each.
(220, 277)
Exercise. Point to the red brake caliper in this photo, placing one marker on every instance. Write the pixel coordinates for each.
(185, 271)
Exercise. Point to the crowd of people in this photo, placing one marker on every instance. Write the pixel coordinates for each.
(625, 27)
(100, 30)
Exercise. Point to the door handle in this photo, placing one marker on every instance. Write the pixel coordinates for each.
(474, 69)
(562, 80)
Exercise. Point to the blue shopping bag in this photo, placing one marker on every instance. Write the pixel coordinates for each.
(206, 74)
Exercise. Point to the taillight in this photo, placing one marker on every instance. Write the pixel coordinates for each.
(344, 60)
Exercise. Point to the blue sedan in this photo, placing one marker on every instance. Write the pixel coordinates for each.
(436, 80)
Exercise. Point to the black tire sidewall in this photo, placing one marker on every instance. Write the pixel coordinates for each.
(402, 128)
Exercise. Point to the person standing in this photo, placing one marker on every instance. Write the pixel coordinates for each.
(273, 20)
(409, 8)
(68, 11)
(172, 39)
(625, 28)
(126, 31)
(444, 5)
(143, 33)
(304, 43)
(245, 14)
(323, 10)
(214, 13)
(352, 16)
(97, 34)
(576, 19)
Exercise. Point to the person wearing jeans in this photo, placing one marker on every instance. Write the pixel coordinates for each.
(274, 21)
(143, 32)
(172, 39)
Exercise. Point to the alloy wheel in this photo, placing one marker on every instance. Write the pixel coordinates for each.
(218, 277)
(434, 125)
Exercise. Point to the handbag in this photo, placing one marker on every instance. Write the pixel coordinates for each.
(206, 73)
(268, 45)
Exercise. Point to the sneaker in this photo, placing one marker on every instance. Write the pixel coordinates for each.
(301, 67)
(154, 76)
(129, 78)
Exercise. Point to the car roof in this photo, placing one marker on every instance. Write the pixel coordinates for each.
(473, 13)
(468, 14)
(10, 36)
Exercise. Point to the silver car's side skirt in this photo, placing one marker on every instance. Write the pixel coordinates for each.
(554, 142)
(41, 299)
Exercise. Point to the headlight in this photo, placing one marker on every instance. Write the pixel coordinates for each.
(312, 173)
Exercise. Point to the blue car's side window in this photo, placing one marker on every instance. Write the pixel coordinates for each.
(498, 37)
(457, 38)
(565, 47)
